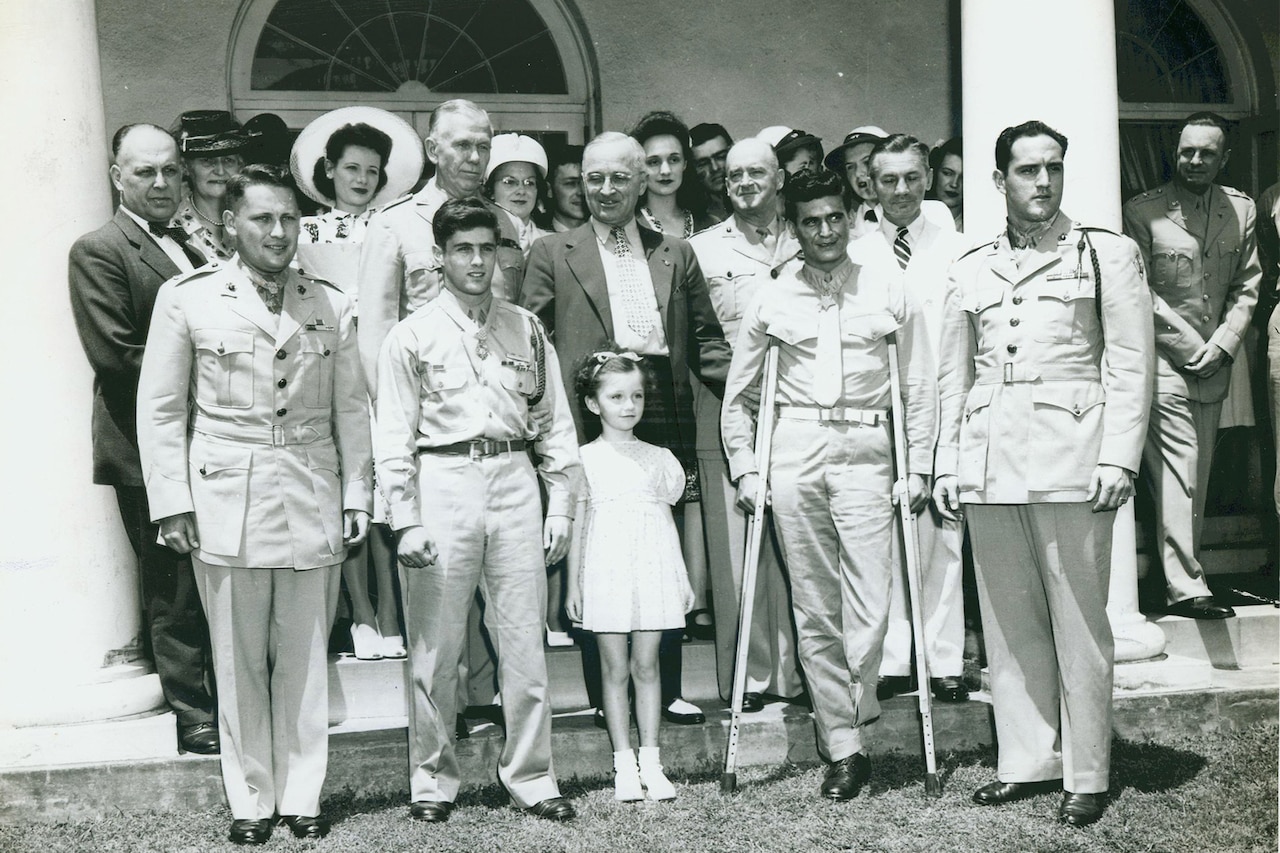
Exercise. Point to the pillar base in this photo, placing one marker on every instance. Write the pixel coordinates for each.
(116, 692)
(1136, 638)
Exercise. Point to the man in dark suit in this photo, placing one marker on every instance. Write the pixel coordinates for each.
(610, 280)
(114, 274)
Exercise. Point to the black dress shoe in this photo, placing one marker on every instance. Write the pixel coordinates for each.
(949, 689)
(306, 827)
(891, 685)
(430, 811)
(999, 793)
(682, 718)
(695, 630)
(1080, 809)
(202, 738)
(460, 729)
(752, 702)
(844, 778)
(250, 831)
(555, 808)
(800, 700)
(598, 720)
(1202, 607)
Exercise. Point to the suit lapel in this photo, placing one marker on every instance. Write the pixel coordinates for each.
(658, 253)
(148, 251)
(297, 307)
(583, 259)
(1045, 253)
(246, 302)
(1219, 213)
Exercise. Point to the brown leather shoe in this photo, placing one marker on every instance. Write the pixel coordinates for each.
(999, 793)
(844, 778)
(1081, 809)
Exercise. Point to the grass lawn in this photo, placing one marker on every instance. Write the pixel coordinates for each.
(1213, 792)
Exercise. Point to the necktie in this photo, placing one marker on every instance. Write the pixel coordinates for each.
(828, 366)
(870, 215)
(902, 247)
(272, 294)
(768, 240)
(179, 236)
(639, 314)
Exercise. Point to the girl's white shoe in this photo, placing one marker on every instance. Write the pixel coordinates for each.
(626, 777)
(655, 781)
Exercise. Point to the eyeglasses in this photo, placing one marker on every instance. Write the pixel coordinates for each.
(511, 183)
(620, 180)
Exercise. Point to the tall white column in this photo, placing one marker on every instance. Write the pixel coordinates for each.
(69, 613)
(1056, 62)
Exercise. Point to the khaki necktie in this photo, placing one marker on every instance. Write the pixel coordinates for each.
(828, 367)
(639, 314)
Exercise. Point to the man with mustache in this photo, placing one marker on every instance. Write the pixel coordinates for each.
(1200, 246)
(831, 473)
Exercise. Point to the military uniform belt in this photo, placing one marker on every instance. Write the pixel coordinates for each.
(275, 435)
(838, 415)
(1009, 373)
(480, 448)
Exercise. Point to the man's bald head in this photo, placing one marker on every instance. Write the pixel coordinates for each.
(147, 171)
(752, 180)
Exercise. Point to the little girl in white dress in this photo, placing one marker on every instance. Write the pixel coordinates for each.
(627, 580)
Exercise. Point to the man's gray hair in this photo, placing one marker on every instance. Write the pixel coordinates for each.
(610, 137)
(456, 106)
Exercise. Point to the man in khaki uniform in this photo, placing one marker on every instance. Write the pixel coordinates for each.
(461, 383)
(831, 474)
(738, 257)
(1044, 399)
(253, 426)
(1200, 247)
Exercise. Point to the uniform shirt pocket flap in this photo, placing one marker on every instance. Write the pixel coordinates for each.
(980, 300)
(314, 346)
(222, 341)
(1069, 289)
(871, 327)
(211, 460)
(440, 377)
(323, 456)
(793, 330)
(979, 398)
(1072, 397)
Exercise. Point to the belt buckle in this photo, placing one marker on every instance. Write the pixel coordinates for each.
(277, 435)
(1008, 373)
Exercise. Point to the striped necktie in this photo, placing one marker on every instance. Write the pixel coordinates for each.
(902, 247)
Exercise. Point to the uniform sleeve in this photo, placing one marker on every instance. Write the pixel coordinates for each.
(919, 382)
(708, 353)
(396, 427)
(1242, 292)
(1128, 365)
(956, 350)
(559, 467)
(1175, 338)
(737, 425)
(381, 276)
(164, 388)
(351, 415)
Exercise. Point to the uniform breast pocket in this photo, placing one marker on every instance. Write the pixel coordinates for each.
(793, 330)
(509, 273)
(224, 368)
(518, 377)
(1066, 310)
(724, 299)
(862, 336)
(975, 436)
(1065, 434)
(1170, 269)
(315, 373)
(443, 391)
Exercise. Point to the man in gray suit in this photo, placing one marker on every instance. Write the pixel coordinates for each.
(114, 273)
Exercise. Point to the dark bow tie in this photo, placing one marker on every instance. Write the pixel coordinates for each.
(175, 233)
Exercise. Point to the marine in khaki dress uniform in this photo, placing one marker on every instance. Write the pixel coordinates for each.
(1045, 379)
(253, 425)
(1200, 246)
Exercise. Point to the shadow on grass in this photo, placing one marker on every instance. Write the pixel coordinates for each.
(1150, 767)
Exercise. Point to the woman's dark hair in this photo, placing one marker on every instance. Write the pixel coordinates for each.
(691, 196)
(358, 135)
(609, 359)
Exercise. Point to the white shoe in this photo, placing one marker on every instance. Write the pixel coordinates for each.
(626, 777)
(656, 783)
(393, 647)
(366, 641)
(558, 638)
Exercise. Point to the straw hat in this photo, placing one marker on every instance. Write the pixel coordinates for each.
(516, 148)
(404, 166)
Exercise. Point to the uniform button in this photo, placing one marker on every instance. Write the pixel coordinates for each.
(1206, 275)
(1205, 318)
(1012, 348)
(280, 413)
(280, 354)
(1014, 321)
(282, 383)
(1017, 300)
(1205, 297)
(326, 352)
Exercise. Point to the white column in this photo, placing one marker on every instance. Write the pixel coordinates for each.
(69, 620)
(1056, 62)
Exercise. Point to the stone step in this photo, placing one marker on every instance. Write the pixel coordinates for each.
(1250, 639)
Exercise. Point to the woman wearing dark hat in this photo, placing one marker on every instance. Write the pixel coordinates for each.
(351, 161)
(212, 145)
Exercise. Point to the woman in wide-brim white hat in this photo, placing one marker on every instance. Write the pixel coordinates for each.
(516, 180)
(353, 160)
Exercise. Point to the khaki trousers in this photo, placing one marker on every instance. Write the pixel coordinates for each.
(832, 509)
(1043, 571)
(270, 634)
(941, 599)
(485, 518)
(1178, 456)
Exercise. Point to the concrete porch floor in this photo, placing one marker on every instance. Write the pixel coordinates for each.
(1223, 675)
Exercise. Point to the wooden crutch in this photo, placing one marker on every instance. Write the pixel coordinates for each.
(751, 561)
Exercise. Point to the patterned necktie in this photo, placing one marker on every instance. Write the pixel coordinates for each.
(639, 314)
(902, 247)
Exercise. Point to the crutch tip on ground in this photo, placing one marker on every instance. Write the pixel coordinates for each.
(932, 785)
(728, 783)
